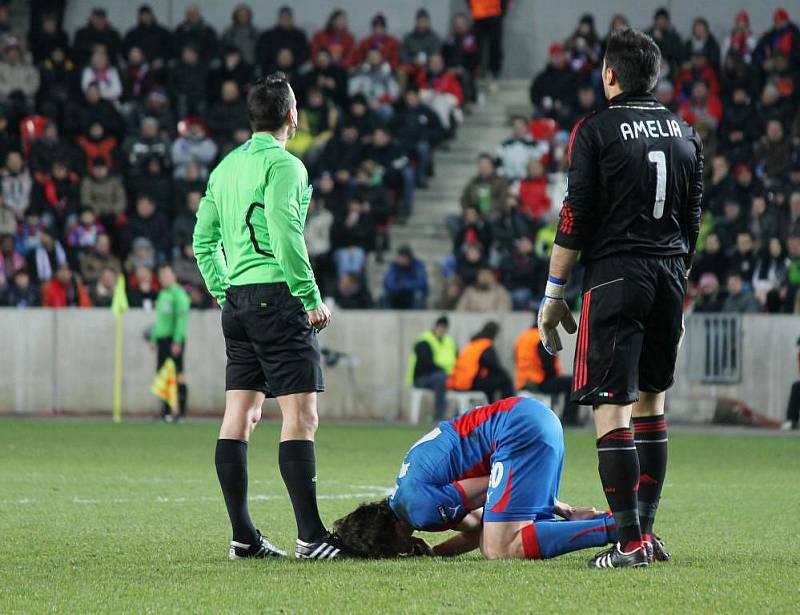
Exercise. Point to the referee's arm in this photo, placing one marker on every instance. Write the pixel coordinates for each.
(286, 187)
(207, 246)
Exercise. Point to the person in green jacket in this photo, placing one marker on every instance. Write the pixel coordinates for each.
(254, 209)
(169, 333)
(431, 362)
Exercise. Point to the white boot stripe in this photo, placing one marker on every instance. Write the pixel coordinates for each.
(318, 549)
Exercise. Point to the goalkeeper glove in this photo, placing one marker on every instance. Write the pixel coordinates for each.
(554, 311)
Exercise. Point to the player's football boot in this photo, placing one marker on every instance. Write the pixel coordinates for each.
(613, 557)
(261, 549)
(329, 547)
(655, 549)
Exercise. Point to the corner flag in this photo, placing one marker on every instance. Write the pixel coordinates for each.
(165, 384)
(119, 305)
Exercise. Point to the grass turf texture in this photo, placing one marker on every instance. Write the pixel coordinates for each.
(96, 517)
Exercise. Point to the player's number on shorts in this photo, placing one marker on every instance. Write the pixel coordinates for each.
(660, 160)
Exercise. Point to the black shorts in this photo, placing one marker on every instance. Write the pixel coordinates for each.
(269, 343)
(629, 329)
(164, 351)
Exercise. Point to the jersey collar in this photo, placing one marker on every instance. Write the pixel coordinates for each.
(639, 98)
(263, 141)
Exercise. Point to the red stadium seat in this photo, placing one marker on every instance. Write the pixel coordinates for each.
(31, 127)
(543, 129)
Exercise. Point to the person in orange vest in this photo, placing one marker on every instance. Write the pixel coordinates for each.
(479, 369)
(487, 17)
(538, 371)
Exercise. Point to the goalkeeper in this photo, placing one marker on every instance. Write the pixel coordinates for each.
(255, 208)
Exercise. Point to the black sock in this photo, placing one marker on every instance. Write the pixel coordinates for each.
(183, 396)
(231, 462)
(298, 469)
(619, 473)
(651, 444)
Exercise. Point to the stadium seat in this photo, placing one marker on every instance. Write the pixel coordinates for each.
(543, 129)
(464, 400)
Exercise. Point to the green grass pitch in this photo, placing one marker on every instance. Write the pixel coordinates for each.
(103, 518)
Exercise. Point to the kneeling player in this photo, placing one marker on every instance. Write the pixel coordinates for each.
(493, 474)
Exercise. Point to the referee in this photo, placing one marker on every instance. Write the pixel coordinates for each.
(632, 210)
(169, 333)
(254, 209)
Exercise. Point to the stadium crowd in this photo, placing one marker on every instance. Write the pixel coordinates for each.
(107, 141)
(742, 94)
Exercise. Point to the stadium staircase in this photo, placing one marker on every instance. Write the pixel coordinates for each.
(483, 129)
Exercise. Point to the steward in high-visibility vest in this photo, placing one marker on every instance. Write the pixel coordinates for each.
(483, 9)
(532, 362)
(441, 353)
(479, 369)
(431, 362)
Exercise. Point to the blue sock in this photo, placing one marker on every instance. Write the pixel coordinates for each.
(546, 539)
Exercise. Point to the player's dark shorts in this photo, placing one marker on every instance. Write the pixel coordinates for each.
(164, 352)
(269, 343)
(629, 329)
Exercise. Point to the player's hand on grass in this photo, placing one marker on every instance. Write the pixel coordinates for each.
(420, 547)
(583, 513)
(552, 312)
(319, 317)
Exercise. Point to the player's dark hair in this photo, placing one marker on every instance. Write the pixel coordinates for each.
(635, 58)
(370, 531)
(269, 102)
(489, 330)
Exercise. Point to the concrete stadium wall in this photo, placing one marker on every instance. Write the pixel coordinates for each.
(63, 360)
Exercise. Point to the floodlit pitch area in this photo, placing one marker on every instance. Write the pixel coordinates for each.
(96, 517)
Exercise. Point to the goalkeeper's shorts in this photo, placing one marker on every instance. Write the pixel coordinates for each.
(629, 329)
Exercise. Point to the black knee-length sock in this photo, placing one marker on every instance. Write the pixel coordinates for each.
(651, 445)
(183, 398)
(619, 472)
(298, 469)
(231, 461)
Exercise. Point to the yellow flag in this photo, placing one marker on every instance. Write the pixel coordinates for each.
(165, 384)
(119, 301)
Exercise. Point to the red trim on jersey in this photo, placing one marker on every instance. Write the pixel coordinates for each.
(567, 219)
(581, 371)
(572, 135)
(479, 469)
(503, 501)
(530, 542)
(464, 498)
(466, 423)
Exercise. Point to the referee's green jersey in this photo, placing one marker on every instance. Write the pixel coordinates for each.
(255, 208)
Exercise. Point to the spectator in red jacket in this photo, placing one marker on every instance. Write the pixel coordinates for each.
(64, 290)
(782, 39)
(379, 38)
(98, 144)
(703, 110)
(441, 90)
(698, 69)
(336, 39)
(534, 201)
(741, 38)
